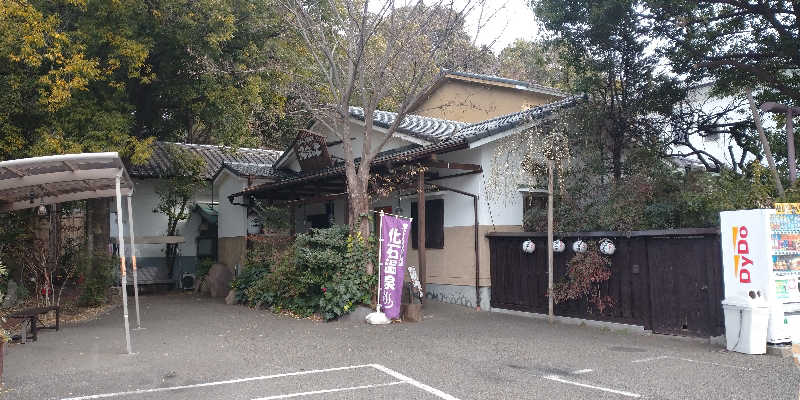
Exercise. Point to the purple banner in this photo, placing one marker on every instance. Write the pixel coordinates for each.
(393, 246)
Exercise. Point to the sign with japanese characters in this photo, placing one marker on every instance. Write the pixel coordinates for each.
(312, 151)
(393, 247)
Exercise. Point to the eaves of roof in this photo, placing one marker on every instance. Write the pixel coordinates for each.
(159, 164)
(408, 153)
(488, 128)
(506, 82)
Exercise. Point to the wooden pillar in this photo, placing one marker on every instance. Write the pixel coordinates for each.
(292, 221)
(423, 273)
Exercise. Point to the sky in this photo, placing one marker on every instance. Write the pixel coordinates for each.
(513, 20)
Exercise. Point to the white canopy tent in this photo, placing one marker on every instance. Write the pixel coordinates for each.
(32, 182)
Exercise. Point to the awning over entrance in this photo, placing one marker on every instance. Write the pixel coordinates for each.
(29, 182)
(208, 212)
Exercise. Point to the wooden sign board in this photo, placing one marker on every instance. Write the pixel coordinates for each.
(312, 151)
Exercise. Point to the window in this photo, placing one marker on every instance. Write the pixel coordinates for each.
(434, 224)
(319, 221)
(533, 202)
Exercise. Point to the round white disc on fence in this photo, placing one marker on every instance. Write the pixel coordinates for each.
(528, 246)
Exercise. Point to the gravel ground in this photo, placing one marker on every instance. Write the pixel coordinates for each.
(197, 343)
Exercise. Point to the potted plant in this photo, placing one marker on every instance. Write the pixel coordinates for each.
(412, 310)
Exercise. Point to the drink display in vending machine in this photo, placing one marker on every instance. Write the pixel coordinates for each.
(761, 257)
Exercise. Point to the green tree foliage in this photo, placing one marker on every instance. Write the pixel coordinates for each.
(606, 44)
(222, 70)
(94, 75)
(537, 62)
(63, 72)
(738, 44)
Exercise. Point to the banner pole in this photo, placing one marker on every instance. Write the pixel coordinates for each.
(380, 245)
(124, 278)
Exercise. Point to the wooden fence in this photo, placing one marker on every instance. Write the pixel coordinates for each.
(668, 281)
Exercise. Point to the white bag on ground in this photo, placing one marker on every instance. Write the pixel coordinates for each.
(378, 318)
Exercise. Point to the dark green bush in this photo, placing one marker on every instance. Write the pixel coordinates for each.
(658, 197)
(323, 273)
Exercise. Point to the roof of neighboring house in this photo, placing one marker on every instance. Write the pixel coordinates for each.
(484, 129)
(159, 166)
(492, 79)
(484, 79)
(426, 128)
(435, 130)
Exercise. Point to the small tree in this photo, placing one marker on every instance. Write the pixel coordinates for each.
(366, 52)
(175, 193)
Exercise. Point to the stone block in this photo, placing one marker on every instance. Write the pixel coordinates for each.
(219, 280)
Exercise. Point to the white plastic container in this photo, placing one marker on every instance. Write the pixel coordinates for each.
(746, 322)
(778, 331)
(793, 319)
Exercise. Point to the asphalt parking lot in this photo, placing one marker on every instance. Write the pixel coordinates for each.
(199, 348)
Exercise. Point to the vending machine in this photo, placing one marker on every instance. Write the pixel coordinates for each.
(761, 258)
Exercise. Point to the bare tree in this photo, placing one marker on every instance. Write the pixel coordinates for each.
(363, 49)
(708, 118)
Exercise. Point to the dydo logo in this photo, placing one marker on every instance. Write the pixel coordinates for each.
(741, 251)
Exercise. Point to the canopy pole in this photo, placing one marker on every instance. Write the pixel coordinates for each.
(124, 278)
(133, 262)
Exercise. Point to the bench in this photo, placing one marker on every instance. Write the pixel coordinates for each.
(32, 316)
(17, 329)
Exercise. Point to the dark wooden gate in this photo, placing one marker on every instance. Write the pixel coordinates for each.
(667, 281)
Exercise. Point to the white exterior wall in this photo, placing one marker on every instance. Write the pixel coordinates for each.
(458, 209)
(149, 223)
(357, 140)
(232, 219)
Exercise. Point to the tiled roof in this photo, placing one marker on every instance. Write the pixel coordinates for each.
(517, 84)
(159, 165)
(426, 128)
(250, 169)
(480, 130)
(453, 140)
(436, 130)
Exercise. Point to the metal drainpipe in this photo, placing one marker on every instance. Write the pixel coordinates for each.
(477, 242)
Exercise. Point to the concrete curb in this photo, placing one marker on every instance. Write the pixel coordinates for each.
(614, 326)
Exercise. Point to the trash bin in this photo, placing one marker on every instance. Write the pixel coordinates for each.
(746, 321)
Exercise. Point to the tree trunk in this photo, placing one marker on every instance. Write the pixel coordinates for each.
(359, 206)
(98, 229)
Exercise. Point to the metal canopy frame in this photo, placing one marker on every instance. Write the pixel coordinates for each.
(31, 182)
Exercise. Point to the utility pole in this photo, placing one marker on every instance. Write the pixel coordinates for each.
(790, 113)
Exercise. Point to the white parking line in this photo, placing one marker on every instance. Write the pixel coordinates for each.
(300, 394)
(582, 371)
(420, 385)
(217, 383)
(402, 379)
(605, 389)
(649, 359)
(692, 361)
